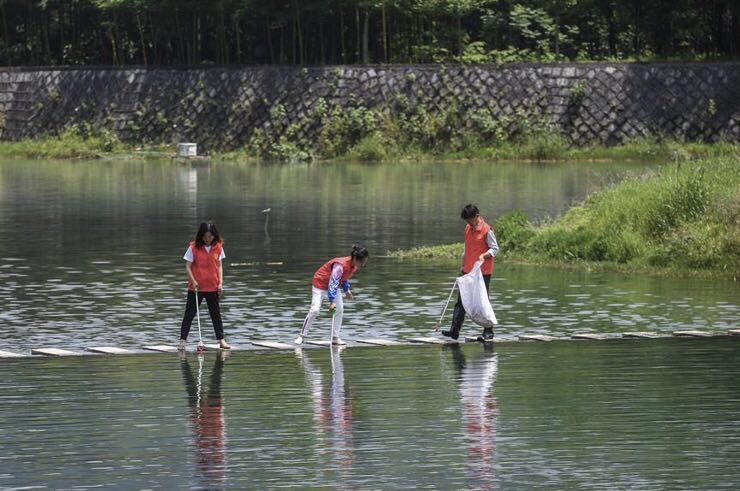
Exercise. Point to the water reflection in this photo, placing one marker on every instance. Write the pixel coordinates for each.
(332, 413)
(476, 379)
(207, 421)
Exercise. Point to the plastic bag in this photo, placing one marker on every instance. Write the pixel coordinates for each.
(475, 298)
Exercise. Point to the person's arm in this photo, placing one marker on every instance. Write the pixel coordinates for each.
(188, 257)
(221, 272)
(345, 287)
(336, 274)
(220, 278)
(492, 246)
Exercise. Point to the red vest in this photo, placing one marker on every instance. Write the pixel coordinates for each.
(205, 267)
(475, 245)
(321, 276)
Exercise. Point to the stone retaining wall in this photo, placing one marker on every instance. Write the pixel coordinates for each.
(222, 107)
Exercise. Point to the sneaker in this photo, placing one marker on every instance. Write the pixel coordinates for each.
(182, 345)
(336, 341)
(450, 334)
(488, 334)
(298, 340)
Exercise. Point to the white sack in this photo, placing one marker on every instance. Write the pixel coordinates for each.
(475, 298)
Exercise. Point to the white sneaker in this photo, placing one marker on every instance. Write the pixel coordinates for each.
(298, 340)
(181, 346)
(336, 341)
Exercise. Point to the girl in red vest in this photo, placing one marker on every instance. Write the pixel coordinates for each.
(327, 280)
(206, 275)
(480, 245)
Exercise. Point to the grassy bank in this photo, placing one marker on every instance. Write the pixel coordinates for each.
(76, 144)
(683, 218)
(79, 143)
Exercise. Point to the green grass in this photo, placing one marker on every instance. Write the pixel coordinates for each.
(683, 218)
(77, 144)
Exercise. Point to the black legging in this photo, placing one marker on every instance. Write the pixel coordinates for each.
(214, 310)
(458, 315)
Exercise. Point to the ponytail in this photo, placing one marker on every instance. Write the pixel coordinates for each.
(359, 253)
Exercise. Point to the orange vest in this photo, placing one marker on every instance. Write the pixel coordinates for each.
(322, 275)
(475, 245)
(205, 267)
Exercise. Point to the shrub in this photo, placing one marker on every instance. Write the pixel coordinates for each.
(513, 230)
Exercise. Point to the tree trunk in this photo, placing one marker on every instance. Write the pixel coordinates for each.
(155, 46)
(459, 34)
(141, 37)
(359, 41)
(180, 42)
(6, 33)
(119, 45)
(366, 37)
(322, 59)
(238, 35)
(298, 32)
(268, 35)
(385, 32)
(342, 46)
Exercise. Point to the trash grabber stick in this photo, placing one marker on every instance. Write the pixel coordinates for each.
(439, 324)
(201, 346)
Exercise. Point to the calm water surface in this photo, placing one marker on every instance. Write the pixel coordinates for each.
(655, 414)
(98, 258)
(92, 256)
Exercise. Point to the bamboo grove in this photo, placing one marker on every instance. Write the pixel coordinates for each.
(309, 32)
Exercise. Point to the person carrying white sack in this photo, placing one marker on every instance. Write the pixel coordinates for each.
(480, 249)
(327, 281)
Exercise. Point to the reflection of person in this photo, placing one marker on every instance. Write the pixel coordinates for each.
(332, 409)
(206, 276)
(480, 245)
(207, 419)
(477, 378)
(327, 280)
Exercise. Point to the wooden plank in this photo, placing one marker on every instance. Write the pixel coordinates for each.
(54, 352)
(380, 342)
(110, 350)
(10, 354)
(590, 336)
(693, 334)
(536, 337)
(641, 334)
(734, 332)
(274, 345)
(478, 339)
(320, 343)
(162, 348)
(431, 340)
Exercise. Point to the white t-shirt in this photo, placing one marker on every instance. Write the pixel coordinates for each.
(189, 254)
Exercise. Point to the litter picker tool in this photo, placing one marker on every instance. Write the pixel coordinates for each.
(201, 347)
(438, 326)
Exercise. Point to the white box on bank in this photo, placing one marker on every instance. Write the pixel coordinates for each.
(187, 149)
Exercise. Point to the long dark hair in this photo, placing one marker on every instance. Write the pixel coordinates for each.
(207, 227)
(359, 253)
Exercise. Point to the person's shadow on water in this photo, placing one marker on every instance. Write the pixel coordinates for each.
(207, 420)
(476, 379)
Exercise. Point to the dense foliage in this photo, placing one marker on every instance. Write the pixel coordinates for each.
(193, 32)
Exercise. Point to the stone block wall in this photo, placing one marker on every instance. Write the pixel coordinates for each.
(221, 107)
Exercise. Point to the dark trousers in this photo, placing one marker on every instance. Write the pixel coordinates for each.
(213, 309)
(458, 315)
